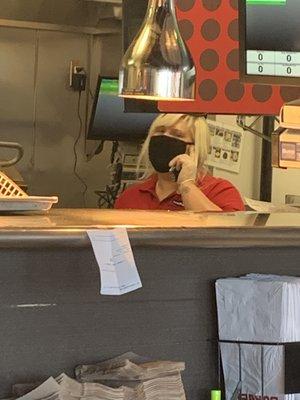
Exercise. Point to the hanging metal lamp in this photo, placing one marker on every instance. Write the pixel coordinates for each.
(157, 64)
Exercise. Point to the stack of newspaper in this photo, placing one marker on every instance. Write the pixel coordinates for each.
(126, 377)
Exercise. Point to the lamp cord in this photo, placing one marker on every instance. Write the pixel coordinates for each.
(75, 152)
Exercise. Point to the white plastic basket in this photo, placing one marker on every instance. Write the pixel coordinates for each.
(14, 199)
(9, 188)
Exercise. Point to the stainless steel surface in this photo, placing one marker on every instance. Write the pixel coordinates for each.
(68, 228)
(69, 219)
(15, 146)
(39, 111)
(158, 65)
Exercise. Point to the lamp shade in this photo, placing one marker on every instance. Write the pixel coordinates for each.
(157, 64)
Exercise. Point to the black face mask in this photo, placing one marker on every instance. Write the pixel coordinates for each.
(162, 149)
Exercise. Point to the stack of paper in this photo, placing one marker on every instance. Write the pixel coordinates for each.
(47, 390)
(134, 379)
(127, 367)
(268, 208)
(258, 313)
(65, 388)
(259, 308)
(150, 380)
(166, 388)
(70, 387)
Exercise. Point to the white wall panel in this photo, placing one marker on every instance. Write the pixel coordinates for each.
(248, 179)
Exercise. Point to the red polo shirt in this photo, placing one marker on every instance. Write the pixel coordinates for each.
(143, 196)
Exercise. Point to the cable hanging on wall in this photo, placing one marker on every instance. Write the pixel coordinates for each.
(75, 151)
(108, 196)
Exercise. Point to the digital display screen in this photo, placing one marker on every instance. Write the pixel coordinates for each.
(109, 87)
(272, 38)
(110, 122)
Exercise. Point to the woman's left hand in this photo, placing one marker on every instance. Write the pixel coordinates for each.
(186, 165)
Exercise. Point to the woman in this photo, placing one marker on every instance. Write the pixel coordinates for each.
(174, 154)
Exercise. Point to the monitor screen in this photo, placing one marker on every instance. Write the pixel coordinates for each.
(270, 41)
(110, 122)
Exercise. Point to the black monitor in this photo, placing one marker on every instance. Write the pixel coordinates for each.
(270, 41)
(108, 119)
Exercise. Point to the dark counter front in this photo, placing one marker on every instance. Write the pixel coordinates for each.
(53, 317)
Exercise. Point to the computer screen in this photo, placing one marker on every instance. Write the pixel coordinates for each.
(108, 119)
(270, 41)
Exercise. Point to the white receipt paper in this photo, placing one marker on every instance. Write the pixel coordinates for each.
(112, 249)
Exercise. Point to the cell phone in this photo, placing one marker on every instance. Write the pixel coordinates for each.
(174, 173)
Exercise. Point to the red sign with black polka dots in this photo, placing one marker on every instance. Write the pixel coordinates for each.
(210, 30)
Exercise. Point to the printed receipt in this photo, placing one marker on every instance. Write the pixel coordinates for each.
(112, 249)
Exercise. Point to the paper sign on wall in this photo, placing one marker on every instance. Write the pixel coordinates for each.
(226, 144)
(112, 249)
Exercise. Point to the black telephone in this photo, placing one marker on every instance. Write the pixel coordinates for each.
(174, 173)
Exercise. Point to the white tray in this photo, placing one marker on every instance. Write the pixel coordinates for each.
(28, 203)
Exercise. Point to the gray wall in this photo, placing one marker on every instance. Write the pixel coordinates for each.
(38, 109)
(172, 317)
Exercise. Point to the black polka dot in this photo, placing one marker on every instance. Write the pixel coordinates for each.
(185, 5)
(209, 60)
(261, 93)
(234, 90)
(233, 30)
(208, 89)
(211, 5)
(186, 29)
(210, 30)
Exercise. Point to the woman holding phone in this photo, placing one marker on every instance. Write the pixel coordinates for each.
(176, 179)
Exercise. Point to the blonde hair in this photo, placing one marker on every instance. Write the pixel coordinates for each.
(197, 126)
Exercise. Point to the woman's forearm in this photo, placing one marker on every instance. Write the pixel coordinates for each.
(194, 199)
